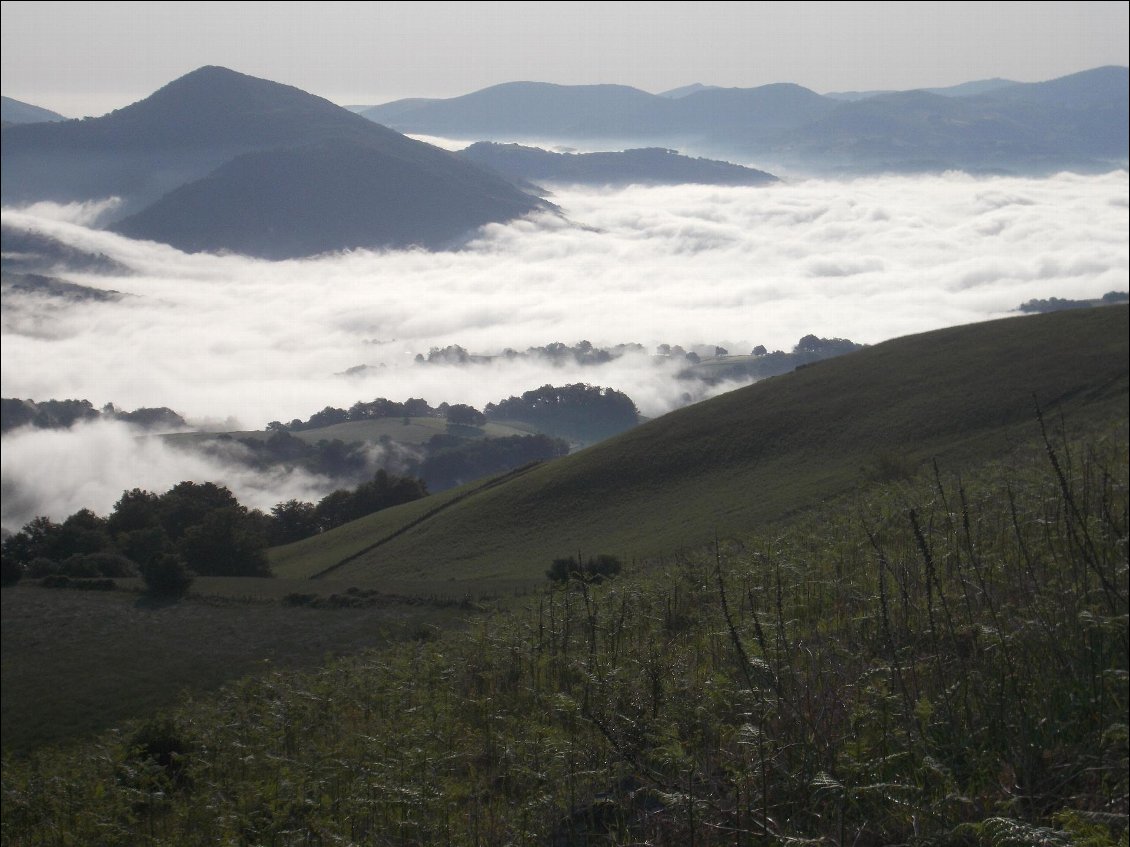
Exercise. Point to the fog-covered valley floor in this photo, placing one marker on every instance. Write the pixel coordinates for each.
(235, 343)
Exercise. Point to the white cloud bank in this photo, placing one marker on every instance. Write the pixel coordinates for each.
(868, 259)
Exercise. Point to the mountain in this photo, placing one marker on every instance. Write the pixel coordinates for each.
(530, 109)
(218, 160)
(965, 89)
(750, 456)
(17, 112)
(649, 166)
(1078, 122)
(542, 110)
(683, 91)
(750, 117)
(27, 251)
(283, 204)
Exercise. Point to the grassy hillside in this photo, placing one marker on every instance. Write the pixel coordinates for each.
(750, 456)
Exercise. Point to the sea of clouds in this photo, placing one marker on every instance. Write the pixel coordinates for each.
(233, 342)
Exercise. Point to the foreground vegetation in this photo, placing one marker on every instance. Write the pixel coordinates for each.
(942, 660)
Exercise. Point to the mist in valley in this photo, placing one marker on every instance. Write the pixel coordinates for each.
(233, 343)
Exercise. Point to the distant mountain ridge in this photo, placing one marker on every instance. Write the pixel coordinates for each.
(218, 160)
(1077, 121)
(647, 166)
(965, 89)
(14, 111)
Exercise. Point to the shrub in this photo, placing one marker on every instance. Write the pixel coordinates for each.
(167, 576)
(41, 566)
(11, 571)
(79, 567)
(160, 743)
(100, 564)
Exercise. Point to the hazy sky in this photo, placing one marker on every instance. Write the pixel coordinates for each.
(90, 57)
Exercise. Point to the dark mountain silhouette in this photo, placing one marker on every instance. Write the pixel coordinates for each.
(534, 109)
(272, 143)
(649, 166)
(17, 112)
(282, 204)
(1078, 122)
(180, 132)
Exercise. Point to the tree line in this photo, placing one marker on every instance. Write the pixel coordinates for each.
(191, 529)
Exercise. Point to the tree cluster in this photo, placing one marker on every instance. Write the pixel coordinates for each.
(63, 414)
(295, 519)
(329, 457)
(762, 363)
(824, 347)
(1059, 304)
(556, 353)
(452, 460)
(580, 411)
(194, 527)
(413, 407)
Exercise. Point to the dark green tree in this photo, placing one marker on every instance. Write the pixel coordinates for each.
(186, 504)
(292, 521)
(135, 509)
(226, 542)
(167, 576)
(463, 415)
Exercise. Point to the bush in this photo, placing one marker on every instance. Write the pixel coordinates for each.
(11, 571)
(41, 566)
(161, 744)
(167, 576)
(79, 567)
(104, 564)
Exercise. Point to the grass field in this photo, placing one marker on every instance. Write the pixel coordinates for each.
(76, 662)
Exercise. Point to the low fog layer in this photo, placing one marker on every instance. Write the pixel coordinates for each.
(238, 343)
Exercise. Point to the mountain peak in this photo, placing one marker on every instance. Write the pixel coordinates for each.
(219, 160)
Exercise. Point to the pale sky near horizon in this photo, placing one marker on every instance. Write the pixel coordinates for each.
(87, 58)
